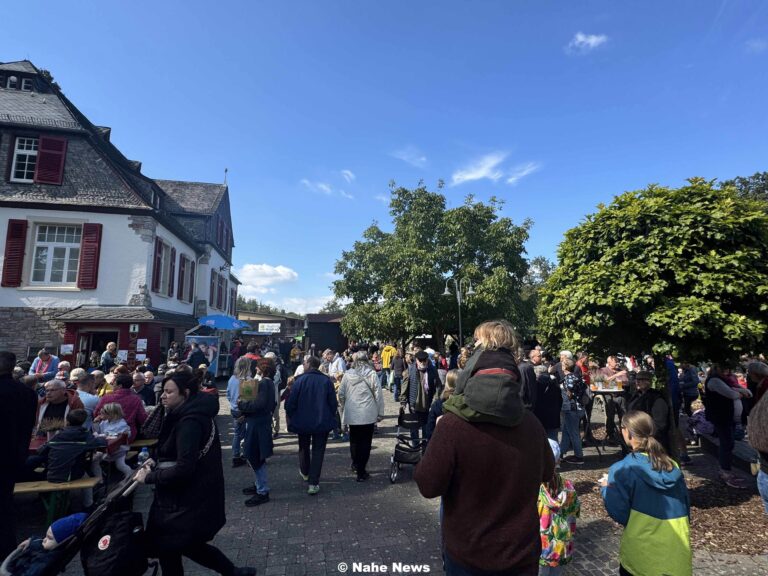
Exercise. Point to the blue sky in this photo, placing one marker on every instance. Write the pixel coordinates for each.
(315, 105)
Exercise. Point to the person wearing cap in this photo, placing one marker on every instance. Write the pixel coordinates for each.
(419, 389)
(648, 400)
(35, 554)
(44, 367)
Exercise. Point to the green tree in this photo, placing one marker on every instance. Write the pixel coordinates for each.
(681, 271)
(395, 280)
(539, 270)
(754, 187)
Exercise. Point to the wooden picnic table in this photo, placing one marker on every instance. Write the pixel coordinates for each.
(112, 443)
(143, 443)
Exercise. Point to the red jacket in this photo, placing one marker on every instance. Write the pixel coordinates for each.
(133, 408)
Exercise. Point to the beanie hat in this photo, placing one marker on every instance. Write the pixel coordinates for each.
(65, 527)
(555, 449)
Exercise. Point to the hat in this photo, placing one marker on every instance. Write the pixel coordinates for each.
(65, 527)
(555, 449)
(421, 355)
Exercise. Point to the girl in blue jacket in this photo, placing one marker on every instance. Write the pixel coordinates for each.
(646, 493)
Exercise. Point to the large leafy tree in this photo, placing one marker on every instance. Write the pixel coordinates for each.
(755, 186)
(681, 271)
(394, 281)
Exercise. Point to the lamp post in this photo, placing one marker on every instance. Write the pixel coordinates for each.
(459, 286)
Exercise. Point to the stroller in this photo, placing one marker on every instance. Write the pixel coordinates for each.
(111, 537)
(407, 450)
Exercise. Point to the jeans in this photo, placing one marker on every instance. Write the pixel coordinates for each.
(396, 382)
(203, 554)
(360, 439)
(311, 460)
(725, 450)
(423, 417)
(571, 435)
(762, 487)
(276, 419)
(262, 483)
(552, 433)
(238, 435)
(384, 377)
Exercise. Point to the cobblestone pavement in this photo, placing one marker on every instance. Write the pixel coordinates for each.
(373, 522)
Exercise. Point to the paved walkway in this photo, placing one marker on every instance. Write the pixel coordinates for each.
(373, 522)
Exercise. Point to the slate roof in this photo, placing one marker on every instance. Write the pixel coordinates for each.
(192, 197)
(20, 66)
(123, 313)
(325, 318)
(35, 109)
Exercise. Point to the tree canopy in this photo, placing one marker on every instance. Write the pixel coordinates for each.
(394, 281)
(681, 271)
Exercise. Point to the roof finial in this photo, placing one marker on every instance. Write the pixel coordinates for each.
(225, 175)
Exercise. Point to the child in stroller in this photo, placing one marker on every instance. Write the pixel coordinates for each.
(34, 554)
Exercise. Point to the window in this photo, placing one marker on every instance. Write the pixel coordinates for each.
(164, 268)
(26, 84)
(13, 82)
(56, 254)
(186, 286)
(24, 160)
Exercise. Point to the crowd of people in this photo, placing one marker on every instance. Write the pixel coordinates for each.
(490, 417)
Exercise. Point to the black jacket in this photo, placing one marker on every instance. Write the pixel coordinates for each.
(549, 400)
(653, 403)
(18, 409)
(66, 452)
(529, 387)
(188, 507)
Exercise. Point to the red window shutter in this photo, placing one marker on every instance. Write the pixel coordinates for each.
(90, 250)
(182, 271)
(157, 264)
(172, 273)
(192, 279)
(212, 295)
(51, 153)
(13, 264)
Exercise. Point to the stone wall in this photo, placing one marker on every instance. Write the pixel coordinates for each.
(23, 327)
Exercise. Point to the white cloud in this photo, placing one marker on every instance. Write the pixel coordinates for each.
(348, 175)
(583, 43)
(521, 171)
(383, 198)
(411, 155)
(309, 305)
(259, 279)
(324, 188)
(486, 167)
(756, 45)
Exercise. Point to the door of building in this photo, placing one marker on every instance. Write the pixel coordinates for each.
(99, 340)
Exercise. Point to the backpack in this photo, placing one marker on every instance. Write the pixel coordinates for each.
(757, 426)
(116, 548)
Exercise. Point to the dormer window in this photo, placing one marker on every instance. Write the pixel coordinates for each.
(26, 84)
(13, 82)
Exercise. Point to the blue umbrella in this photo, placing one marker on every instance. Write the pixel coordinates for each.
(222, 322)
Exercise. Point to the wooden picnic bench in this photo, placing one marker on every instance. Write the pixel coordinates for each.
(55, 496)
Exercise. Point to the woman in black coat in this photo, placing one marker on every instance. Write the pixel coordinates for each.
(549, 400)
(258, 431)
(188, 508)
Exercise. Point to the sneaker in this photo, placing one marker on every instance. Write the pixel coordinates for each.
(732, 481)
(251, 490)
(257, 499)
(574, 460)
(238, 461)
(304, 477)
(345, 437)
(313, 489)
